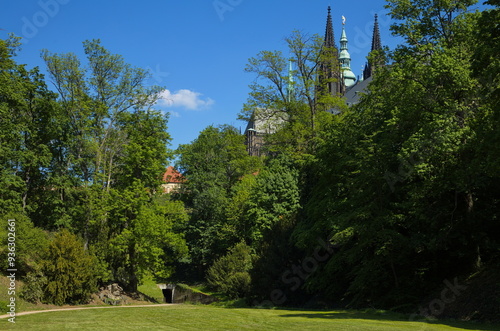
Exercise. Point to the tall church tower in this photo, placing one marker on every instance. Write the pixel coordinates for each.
(345, 59)
(376, 45)
(330, 80)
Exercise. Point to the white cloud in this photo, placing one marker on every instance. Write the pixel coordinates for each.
(174, 114)
(184, 98)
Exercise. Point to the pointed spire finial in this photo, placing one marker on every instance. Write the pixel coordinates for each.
(345, 59)
(329, 74)
(376, 43)
(329, 36)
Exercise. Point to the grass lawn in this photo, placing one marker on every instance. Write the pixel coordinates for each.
(198, 317)
(152, 290)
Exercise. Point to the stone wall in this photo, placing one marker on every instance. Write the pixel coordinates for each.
(183, 294)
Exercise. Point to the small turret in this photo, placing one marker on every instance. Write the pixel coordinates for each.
(345, 59)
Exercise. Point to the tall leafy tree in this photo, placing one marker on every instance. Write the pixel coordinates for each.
(402, 193)
(93, 100)
(145, 238)
(26, 105)
(274, 197)
(143, 229)
(292, 95)
(108, 156)
(213, 165)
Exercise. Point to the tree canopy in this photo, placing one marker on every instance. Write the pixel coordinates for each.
(371, 207)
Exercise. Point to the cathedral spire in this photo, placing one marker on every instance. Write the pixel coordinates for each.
(329, 37)
(376, 45)
(330, 80)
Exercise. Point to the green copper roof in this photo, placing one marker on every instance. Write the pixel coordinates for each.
(345, 59)
(343, 37)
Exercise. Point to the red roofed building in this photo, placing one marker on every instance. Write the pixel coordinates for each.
(173, 180)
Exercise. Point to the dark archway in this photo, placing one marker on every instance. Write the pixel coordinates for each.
(168, 295)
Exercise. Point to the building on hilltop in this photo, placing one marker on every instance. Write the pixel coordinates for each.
(266, 121)
(263, 122)
(334, 77)
(341, 81)
(336, 71)
(172, 180)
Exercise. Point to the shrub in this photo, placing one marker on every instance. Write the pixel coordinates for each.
(230, 273)
(69, 269)
(30, 243)
(33, 289)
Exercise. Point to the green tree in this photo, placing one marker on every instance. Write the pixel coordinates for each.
(94, 99)
(275, 196)
(142, 227)
(69, 270)
(230, 273)
(237, 224)
(213, 164)
(401, 191)
(30, 242)
(427, 22)
(146, 240)
(486, 69)
(292, 96)
(109, 150)
(25, 108)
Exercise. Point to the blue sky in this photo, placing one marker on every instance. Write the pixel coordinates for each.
(196, 49)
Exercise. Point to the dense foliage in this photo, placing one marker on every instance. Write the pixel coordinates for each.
(86, 161)
(68, 270)
(230, 273)
(374, 206)
(404, 185)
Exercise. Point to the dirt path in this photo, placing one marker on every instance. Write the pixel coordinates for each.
(81, 308)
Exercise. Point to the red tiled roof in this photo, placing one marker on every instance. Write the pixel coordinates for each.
(173, 176)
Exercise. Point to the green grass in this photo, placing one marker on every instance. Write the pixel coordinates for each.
(152, 290)
(198, 317)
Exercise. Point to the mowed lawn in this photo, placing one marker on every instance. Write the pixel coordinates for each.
(198, 317)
